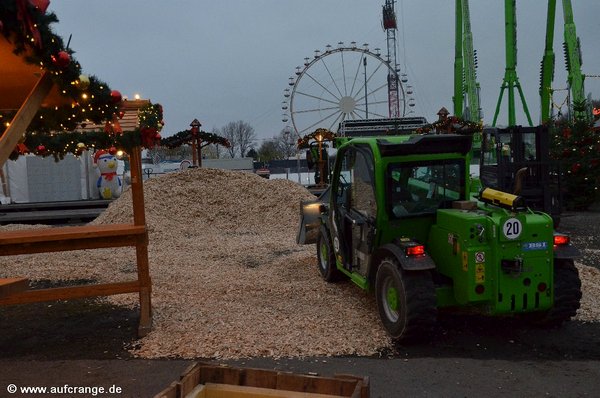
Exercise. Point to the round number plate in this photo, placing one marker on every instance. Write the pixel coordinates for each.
(512, 228)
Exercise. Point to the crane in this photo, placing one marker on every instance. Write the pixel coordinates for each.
(390, 26)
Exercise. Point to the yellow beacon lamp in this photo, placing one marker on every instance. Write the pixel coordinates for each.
(501, 199)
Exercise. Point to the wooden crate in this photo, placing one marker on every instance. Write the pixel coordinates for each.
(202, 380)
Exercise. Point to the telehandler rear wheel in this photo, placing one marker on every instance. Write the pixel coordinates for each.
(326, 257)
(567, 295)
(406, 301)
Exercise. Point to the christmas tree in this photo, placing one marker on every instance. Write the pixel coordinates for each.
(576, 145)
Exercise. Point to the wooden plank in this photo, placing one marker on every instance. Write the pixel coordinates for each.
(10, 286)
(272, 380)
(314, 384)
(189, 379)
(261, 378)
(63, 233)
(24, 116)
(361, 389)
(215, 390)
(71, 292)
(169, 392)
(73, 238)
(219, 374)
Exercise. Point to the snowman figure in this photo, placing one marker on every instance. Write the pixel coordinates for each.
(109, 184)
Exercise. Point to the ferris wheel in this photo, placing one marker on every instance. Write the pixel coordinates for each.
(343, 83)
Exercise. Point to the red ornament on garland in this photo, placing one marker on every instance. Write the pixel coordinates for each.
(41, 149)
(121, 114)
(41, 5)
(576, 167)
(62, 59)
(116, 96)
(108, 128)
(112, 150)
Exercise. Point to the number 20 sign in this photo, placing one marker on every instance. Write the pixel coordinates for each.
(512, 228)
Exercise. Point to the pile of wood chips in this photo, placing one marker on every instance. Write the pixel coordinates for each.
(229, 280)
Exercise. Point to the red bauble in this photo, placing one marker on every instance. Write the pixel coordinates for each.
(121, 114)
(157, 137)
(575, 168)
(41, 5)
(116, 96)
(112, 150)
(62, 59)
(41, 149)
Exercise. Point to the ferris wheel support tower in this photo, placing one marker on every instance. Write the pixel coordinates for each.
(390, 26)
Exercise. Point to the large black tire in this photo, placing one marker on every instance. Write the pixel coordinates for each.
(326, 258)
(406, 301)
(567, 295)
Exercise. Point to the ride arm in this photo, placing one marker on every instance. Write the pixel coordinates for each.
(458, 97)
(548, 61)
(573, 58)
(471, 85)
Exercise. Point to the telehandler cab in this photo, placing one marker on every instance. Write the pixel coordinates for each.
(399, 219)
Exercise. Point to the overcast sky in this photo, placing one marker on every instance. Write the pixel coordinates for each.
(228, 60)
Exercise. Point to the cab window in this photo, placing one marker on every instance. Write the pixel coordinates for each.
(356, 187)
(419, 188)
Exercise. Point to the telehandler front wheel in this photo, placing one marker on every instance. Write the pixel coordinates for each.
(406, 301)
(326, 257)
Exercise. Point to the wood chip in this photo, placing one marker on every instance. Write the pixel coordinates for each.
(229, 280)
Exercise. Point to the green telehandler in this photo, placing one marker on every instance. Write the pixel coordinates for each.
(399, 219)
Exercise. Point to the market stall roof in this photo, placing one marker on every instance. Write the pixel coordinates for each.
(18, 79)
(128, 119)
(42, 88)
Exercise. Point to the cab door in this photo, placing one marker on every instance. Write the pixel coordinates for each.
(355, 208)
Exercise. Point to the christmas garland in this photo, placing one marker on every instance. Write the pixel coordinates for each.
(187, 136)
(453, 125)
(26, 25)
(111, 138)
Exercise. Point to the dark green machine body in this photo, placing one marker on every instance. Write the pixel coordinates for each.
(399, 220)
(489, 270)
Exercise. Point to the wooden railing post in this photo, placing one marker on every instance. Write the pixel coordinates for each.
(141, 250)
(137, 186)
